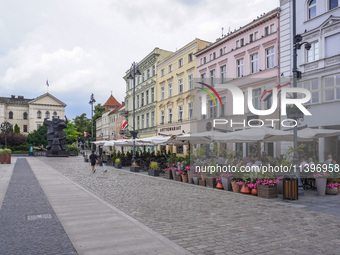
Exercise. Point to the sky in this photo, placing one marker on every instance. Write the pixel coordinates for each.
(86, 46)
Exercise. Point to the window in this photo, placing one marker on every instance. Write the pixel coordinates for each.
(240, 67)
(223, 73)
(201, 61)
(180, 112)
(272, 28)
(47, 115)
(266, 31)
(222, 109)
(332, 88)
(162, 72)
(270, 57)
(142, 97)
(138, 122)
(313, 53)
(153, 119)
(203, 77)
(162, 117)
(179, 149)
(170, 90)
(191, 81)
(152, 95)
(269, 103)
(180, 62)
(142, 121)
(330, 41)
(237, 43)
(256, 36)
(190, 57)
(170, 115)
(212, 77)
(170, 68)
(137, 101)
(312, 9)
(221, 52)
(251, 37)
(333, 4)
(127, 104)
(190, 110)
(147, 97)
(147, 120)
(162, 92)
(180, 86)
(214, 55)
(153, 70)
(204, 60)
(25, 128)
(143, 76)
(313, 87)
(212, 109)
(256, 98)
(10, 115)
(148, 74)
(55, 114)
(254, 63)
(38, 126)
(25, 116)
(39, 114)
(242, 42)
(210, 57)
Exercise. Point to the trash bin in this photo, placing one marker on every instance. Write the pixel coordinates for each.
(290, 188)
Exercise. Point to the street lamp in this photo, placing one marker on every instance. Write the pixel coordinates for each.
(92, 101)
(297, 43)
(133, 72)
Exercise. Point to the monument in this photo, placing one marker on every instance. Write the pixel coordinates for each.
(56, 137)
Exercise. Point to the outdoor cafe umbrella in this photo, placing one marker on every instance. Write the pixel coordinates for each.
(309, 134)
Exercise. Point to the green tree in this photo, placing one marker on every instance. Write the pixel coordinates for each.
(82, 124)
(38, 137)
(71, 133)
(98, 111)
(16, 129)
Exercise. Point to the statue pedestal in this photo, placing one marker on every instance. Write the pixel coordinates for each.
(57, 154)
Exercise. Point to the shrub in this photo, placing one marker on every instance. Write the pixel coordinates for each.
(72, 148)
(154, 165)
(117, 161)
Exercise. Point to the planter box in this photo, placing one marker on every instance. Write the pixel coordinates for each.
(210, 182)
(321, 186)
(73, 153)
(178, 178)
(134, 168)
(168, 175)
(266, 191)
(153, 172)
(119, 166)
(201, 182)
(86, 160)
(5, 158)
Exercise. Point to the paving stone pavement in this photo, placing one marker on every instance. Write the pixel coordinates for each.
(207, 221)
(28, 222)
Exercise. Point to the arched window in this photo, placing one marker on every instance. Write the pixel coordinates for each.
(47, 115)
(311, 9)
(25, 115)
(10, 115)
(55, 114)
(39, 114)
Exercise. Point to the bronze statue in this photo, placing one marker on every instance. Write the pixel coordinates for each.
(55, 134)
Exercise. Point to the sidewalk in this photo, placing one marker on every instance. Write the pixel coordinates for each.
(92, 225)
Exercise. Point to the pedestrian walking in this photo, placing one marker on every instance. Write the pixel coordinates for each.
(93, 159)
(104, 161)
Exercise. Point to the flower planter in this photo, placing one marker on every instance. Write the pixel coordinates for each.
(201, 182)
(5, 158)
(153, 172)
(267, 191)
(321, 186)
(332, 191)
(226, 183)
(254, 192)
(73, 153)
(339, 189)
(168, 175)
(86, 160)
(245, 189)
(219, 185)
(235, 187)
(185, 178)
(134, 168)
(210, 182)
(119, 166)
(173, 171)
(195, 179)
(178, 178)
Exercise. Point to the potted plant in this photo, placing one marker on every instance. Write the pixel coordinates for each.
(267, 187)
(184, 173)
(321, 182)
(153, 170)
(235, 185)
(86, 158)
(5, 156)
(219, 183)
(195, 178)
(253, 188)
(118, 163)
(134, 167)
(72, 150)
(244, 187)
(226, 181)
(168, 173)
(332, 187)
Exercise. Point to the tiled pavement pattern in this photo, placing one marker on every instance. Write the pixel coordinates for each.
(28, 224)
(208, 221)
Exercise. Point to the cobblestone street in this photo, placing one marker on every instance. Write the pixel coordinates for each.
(207, 221)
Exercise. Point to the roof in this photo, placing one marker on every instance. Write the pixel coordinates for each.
(112, 102)
(14, 101)
(117, 109)
(49, 95)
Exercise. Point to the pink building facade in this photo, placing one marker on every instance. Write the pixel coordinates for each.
(247, 58)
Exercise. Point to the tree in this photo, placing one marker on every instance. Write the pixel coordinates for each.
(38, 137)
(82, 124)
(98, 112)
(16, 129)
(71, 133)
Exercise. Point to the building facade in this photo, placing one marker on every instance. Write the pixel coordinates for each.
(175, 93)
(145, 94)
(29, 114)
(249, 59)
(318, 22)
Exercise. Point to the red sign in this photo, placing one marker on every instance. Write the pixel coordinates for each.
(124, 125)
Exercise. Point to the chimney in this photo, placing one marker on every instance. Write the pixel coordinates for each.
(21, 97)
(123, 103)
(12, 96)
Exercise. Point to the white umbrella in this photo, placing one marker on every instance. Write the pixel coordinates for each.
(308, 134)
(99, 142)
(195, 138)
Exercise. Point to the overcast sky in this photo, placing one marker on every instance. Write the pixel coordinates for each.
(85, 46)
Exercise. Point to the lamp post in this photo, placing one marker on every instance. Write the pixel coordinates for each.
(133, 72)
(92, 101)
(297, 43)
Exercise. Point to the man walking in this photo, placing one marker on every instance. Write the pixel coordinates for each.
(93, 159)
(104, 161)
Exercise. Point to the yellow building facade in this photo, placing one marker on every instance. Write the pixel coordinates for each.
(175, 93)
